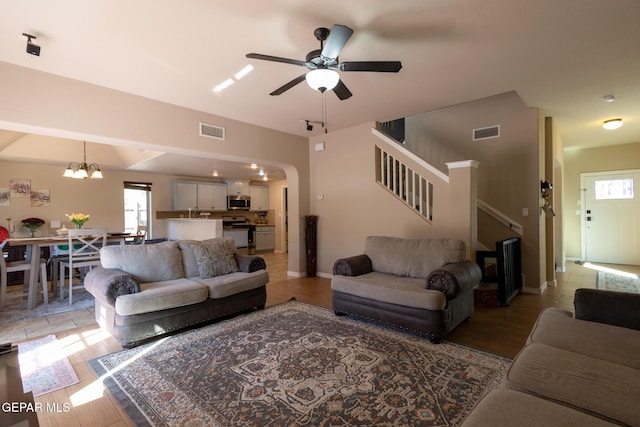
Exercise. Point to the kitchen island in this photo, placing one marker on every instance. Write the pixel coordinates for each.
(194, 228)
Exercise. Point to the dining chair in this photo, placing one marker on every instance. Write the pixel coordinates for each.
(24, 266)
(140, 237)
(84, 252)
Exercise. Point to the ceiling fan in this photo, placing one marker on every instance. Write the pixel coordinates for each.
(322, 63)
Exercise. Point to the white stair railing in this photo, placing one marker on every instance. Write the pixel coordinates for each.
(408, 186)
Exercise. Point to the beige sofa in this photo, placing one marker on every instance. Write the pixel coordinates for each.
(573, 371)
(422, 285)
(142, 291)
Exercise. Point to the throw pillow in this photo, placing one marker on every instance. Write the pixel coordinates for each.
(214, 258)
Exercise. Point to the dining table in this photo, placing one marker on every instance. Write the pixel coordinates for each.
(34, 244)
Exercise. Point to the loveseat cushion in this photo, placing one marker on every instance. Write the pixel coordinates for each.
(161, 295)
(233, 283)
(557, 327)
(412, 257)
(215, 258)
(147, 263)
(189, 261)
(587, 383)
(404, 291)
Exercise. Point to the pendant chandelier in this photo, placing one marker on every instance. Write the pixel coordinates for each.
(82, 170)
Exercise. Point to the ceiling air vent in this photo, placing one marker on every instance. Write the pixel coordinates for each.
(486, 133)
(210, 131)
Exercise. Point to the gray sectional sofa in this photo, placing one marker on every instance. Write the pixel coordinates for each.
(581, 370)
(142, 291)
(422, 285)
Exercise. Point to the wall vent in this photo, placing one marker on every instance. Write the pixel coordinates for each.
(486, 133)
(211, 131)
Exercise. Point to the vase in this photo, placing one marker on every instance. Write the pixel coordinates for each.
(32, 233)
(78, 225)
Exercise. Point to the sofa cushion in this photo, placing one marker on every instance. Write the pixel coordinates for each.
(412, 257)
(509, 408)
(189, 262)
(215, 258)
(584, 382)
(161, 295)
(557, 327)
(147, 263)
(233, 283)
(405, 291)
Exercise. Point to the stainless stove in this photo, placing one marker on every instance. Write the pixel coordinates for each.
(238, 223)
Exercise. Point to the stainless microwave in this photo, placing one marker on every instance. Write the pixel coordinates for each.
(238, 203)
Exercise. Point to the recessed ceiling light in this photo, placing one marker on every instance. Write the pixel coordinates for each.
(254, 166)
(612, 124)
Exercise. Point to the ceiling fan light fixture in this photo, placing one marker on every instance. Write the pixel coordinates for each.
(612, 124)
(322, 79)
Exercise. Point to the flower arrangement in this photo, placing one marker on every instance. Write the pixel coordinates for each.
(32, 224)
(78, 219)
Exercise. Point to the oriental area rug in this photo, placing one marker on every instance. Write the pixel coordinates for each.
(617, 282)
(298, 365)
(44, 367)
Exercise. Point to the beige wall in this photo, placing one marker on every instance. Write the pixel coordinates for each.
(353, 205)
(618, 157)
(510, 166)
(44, 104)
(102, 199)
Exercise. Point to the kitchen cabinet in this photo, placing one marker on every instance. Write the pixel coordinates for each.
(212, 197)
(185, 195)
(259, 197)
(265, 237)
(203, 196)
(237, 187)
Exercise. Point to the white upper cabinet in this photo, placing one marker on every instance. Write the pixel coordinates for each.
(236, 187)
(212, 197)
(259, 197)
(202, 196)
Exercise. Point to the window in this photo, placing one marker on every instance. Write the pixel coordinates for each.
(137, 206)
(614, 189)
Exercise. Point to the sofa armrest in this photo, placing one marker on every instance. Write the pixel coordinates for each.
(613, 308)
(455, 278)
(107, 284)
(353, 266)
(250, 263)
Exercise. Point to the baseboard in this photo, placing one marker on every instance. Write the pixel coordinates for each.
(534, 291)
(325, 275)
(296, 273)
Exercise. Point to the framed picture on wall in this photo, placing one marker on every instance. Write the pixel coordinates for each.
(5, 197)
(40, 198)
(20, 187)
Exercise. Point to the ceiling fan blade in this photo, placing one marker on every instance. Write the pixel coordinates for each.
(342, 91)
(338, 37)
(275, 59)
(289, 85)
(379, 66)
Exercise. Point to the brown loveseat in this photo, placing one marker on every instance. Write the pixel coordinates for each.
(422, 285)
(573, 371)
(143, 291)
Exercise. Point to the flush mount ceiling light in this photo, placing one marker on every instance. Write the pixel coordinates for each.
(612, 124)
(82, 170)
(322, 79)
(609, 98)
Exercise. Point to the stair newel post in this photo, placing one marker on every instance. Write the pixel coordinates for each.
(311, 241)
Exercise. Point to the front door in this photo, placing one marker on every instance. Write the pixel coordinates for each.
(611, 217)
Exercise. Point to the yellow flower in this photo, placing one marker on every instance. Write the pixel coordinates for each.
(78, 218)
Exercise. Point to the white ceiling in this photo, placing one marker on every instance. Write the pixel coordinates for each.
(561, 56)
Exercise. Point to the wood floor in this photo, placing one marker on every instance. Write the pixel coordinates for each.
(500, 330)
